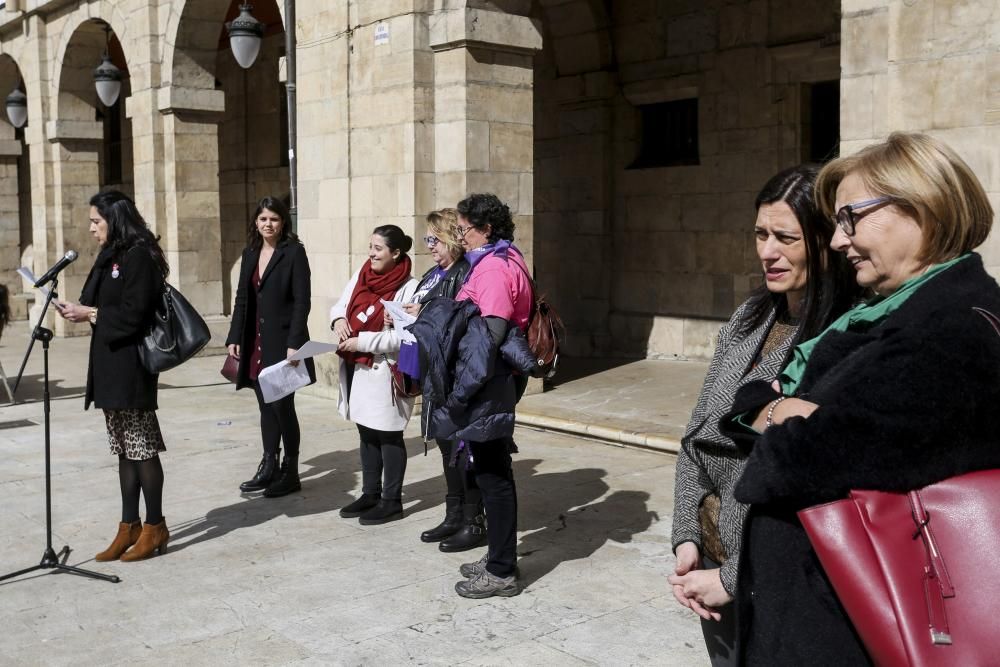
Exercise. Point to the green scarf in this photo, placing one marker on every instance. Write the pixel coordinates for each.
(859, 318)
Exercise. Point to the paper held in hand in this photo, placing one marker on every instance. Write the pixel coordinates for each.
(400, 319)
(282, 379)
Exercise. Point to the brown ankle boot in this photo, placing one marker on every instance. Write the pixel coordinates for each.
(153, 538)
(127, 535)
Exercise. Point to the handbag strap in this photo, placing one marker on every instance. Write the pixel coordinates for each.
(937, 582)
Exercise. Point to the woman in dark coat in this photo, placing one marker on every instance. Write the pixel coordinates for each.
(119, 299)
(806, 286)
(899, 393)
(463, 526)
(268, 326)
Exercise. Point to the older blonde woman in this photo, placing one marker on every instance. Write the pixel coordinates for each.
(898, 393)
(463, 525)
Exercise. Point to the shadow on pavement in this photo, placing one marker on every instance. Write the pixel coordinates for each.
(329, 481)
(32, 387)
(567, 523)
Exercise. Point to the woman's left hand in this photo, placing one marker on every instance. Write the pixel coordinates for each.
(74, 312)
(292, 351)
(705, 588)
(349, 345)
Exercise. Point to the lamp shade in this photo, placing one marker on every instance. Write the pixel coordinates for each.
(245, 35)
(108, 80)
(17, 108)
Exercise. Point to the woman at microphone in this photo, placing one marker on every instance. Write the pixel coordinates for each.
(119, 299)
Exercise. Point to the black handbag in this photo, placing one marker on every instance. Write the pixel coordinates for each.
(178, 333)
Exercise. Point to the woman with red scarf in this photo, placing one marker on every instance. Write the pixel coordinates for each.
(367, 347)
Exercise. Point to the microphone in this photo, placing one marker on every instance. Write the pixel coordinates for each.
(66, 260)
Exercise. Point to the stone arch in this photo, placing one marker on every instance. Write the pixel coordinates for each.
(15, 194)
(194, 30)
(222, 148)
(576, 35)
(80, 50)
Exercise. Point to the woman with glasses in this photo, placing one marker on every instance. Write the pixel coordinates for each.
(476, 387)
(367, 345)
(898, 393)
(462, 527)
(806, 285)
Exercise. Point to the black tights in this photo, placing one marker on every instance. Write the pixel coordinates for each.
(278, 422)
(146, 476)
(382, 451)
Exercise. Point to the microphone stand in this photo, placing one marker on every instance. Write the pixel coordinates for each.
(50, 559)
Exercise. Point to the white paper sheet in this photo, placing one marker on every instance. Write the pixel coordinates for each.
(27, 274)
(312, 349)
(400, 319)
(282, 379)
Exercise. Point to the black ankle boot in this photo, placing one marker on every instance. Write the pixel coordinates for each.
(469, 536)
(287, 480)
(453, 521)
(266, 471)
(364, 503)
(384, 512)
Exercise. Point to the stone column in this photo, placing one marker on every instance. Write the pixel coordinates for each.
(483, 110)
(191, 229)
(10, 221)
(73, 151)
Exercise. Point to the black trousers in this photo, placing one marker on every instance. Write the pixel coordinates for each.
(459, 481)
(278, 423)
(382, 452)
(494, 476)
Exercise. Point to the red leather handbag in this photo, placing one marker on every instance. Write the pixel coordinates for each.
(916, 572)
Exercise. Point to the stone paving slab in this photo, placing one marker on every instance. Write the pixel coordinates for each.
(287, 581)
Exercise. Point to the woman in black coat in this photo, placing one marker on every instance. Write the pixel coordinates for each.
(119, 299)
(268, 326)
(463, 526)
(899, 393)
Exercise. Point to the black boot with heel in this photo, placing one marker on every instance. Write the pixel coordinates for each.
(453, 521)
(470, 535)
(266, 472)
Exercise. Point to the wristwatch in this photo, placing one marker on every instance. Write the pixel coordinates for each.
(92, 316)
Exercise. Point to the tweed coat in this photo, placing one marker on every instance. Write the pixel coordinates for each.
(907, 403)
(708, 461)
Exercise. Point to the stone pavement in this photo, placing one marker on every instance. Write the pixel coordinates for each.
(287, 581)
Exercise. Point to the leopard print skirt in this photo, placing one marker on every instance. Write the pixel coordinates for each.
(134, 434)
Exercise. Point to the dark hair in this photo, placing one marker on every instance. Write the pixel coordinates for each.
(126, 227)
(487, 209)
(395, 238)
(831, 288)
(4, 308)
(275, 205)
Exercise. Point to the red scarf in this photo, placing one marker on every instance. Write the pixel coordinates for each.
(366, 301)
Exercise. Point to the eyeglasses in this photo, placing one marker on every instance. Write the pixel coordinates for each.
(462, 231)
(847, 219)
(431, 241)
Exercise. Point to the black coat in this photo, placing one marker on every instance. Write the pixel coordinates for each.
(452, 282)
(468, 387)
(910, 402)
(284, 308)
(126, 290)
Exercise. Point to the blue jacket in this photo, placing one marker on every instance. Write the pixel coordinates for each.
(467, 379)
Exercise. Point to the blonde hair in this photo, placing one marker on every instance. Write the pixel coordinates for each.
(444, 225)
(928, 180)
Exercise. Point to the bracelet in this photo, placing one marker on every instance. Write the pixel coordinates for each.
(769, 420)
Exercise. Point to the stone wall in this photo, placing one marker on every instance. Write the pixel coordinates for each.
(930, 66)
(639, 258)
